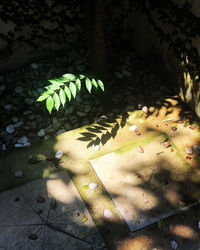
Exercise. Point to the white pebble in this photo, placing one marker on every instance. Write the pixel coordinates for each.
(41, 133)
(22, 140)
(173, 244)
(145, 109)
(10, 129)
(96, 147)
(18, 173)
(108, 214)
(19, 145)
(59, 154)
(133, 127)
(93, 186)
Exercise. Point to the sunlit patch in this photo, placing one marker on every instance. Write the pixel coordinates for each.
(184, 231)
(140, 242)
(58, 190)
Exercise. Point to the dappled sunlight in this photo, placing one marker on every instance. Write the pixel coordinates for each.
(183, 231)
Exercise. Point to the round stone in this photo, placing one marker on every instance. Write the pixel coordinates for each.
(14, 119)
(18, 173)
(188, 151)
(96, 147)
(108, 214)
(8, 107)
(59, 154)
(22, 140)
(145, 109)
(47, 137)
(61, 131)
(18, 145)
(2, 88)
(93, 186)
(34, 66)
(19, 90)
(173, 244)
(18, 124)
(133, 127)
(10, 129)
(41, 133)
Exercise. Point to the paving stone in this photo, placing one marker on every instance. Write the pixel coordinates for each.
(39, 215)
(146, 187)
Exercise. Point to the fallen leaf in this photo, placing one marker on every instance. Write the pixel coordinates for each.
(40, 199)
(85, 187)
(85, 218)
(193, 127)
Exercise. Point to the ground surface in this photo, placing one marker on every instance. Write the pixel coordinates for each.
(175, 179)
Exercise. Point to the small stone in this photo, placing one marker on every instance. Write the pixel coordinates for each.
(197, 149)
(188, 151)
(18, 173)
(8, 107)
(29, 101)
(140, 149)
(137, 132)
(93, 186)
(3, 147)
(96, 147)
(10, 129)
(18, 124)
(19, 90)
(145, 109)
(108, 214)
(166, 144)
(173, 244)
(47, 137)
(41, 133)
(81, 114)
(174, 128)
(59, 154)
(56, 123)
(2, 88)
(27, 144)
(27, 112)
(126, 73)
(34, 66)
(31, 117)
(14, 119)
(133, 127)
(19, 145)
(69, 110)
(22, 140)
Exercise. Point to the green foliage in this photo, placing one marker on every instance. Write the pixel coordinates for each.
(65, 87)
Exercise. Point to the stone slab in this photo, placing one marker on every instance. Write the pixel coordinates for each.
(46, 214)
(149, 186)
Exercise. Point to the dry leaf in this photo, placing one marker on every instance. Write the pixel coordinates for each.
(85, 218)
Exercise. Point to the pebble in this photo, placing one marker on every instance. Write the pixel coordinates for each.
(34, 66)
(8, 107)
(133, 127)
(145, 109)
(197, 149)
(18, 145)
(81, 114)
(173, 244)
(140, 149)
(108, 214)
(2, 88)
(47, 137)
(3, 147)
(22, 140)
(19, 90)
(18, 124)
(56, 123)
(188, 151)
(41, 133)
(14, 119)
(96, 147)
(126, 73)
(27, 112)
(118, 75)
(59, 154)
(93, 186)
(61, 131)
(18, 173)
(10, 129)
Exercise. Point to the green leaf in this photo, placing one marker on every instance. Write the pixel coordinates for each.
(43, 96)
(88, 84)
(78, 84)
(56, 82)
(68, 93)
(62, 97)
(85, 187)
(52, 87)
(56, 101)
(101, 85)
(49, 104)
(72, 88)
(81, 77)
(71, 77)
(94, 83)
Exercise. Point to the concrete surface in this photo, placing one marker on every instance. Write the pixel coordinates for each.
(41, 215)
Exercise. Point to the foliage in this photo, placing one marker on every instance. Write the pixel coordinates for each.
(65, 88)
